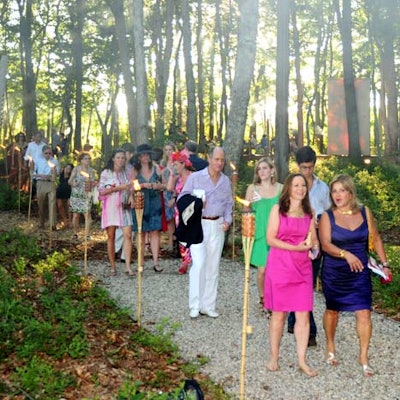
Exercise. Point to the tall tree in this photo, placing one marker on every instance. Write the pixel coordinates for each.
(29, 117)
(117, 8)
(143, 109)
(282, 90)
(345, 27)
(191, 119)
(244, 70)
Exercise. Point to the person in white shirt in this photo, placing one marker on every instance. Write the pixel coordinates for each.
(43, 173)
(34, 149)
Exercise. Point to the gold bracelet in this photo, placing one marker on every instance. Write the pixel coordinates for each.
(342, 253)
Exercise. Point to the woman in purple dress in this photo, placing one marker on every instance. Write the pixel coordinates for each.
(346, 279)
(291, 235)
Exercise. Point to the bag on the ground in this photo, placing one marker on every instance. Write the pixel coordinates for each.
(191, 391)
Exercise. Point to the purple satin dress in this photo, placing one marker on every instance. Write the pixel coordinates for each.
(343, 289)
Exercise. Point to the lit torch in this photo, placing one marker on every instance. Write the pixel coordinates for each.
(52, 200)
(234, 180)
(138, 198)
(248, 229)
(18, 150)
(86, 177)
(31, 166)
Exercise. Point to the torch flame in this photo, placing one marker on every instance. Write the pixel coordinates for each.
(232, 165)
(2, 146)
(16, 148)
(50, 164)
(136, 185)
(244, 202)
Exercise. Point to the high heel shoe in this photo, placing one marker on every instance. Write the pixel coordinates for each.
(157, 268)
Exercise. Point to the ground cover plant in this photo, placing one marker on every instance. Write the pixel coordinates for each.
(61, 336)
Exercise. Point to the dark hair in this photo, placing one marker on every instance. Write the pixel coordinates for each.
(284, 200)
(82, 155)
(110, 162)
(66, 165)
(129, 147)
(305, 154)
(191, 146)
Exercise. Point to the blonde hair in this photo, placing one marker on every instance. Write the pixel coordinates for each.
(348, 184)
(269, 162)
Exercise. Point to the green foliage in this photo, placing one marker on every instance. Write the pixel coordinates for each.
(14, 245)
(52, 261)
(161, 341)
(41, 380)
(8, 197)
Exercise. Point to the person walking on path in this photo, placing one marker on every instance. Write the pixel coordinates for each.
(214, 187)
(262, 194)
(289, 280)
(81, 181)
(43, 173)
(346, 279)
(115, 193)
(320, 201)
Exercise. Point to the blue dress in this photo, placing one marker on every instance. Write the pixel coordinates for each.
(152, 205)
(343, 289)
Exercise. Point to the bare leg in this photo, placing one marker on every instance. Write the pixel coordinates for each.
(330, 322)
(111, 247)
(301, 333)
(75, 223)
(155, 245)
(127, 230)
(364, 331)
(61, 211)
(171, 230)
(277, 323)
(260, 280)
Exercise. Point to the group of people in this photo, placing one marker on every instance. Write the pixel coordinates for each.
(299, 226)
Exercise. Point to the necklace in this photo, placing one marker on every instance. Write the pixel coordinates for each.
(345, 212)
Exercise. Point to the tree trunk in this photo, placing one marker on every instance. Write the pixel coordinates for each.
(299, 84)
(345, 26)
(200, 71)
(29, 118)
(191, 120)
(244, 70)
(162, 44)
(117, 8)
(282, 91)
(143, 110)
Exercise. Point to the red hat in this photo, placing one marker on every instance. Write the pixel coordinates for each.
(181, 157)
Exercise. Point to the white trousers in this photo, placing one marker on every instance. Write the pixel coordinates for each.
(203, 275)
(119, 241)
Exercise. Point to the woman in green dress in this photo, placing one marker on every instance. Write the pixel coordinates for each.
(262, 194)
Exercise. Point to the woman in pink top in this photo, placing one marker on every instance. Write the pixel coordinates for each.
(291, 234)
(115, 194)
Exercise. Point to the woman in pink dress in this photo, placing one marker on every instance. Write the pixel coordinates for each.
(291, 235)
(115, 193)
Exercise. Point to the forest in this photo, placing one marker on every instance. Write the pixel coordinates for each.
(112, 71)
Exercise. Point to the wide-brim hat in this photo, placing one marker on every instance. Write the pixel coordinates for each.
(143, 149)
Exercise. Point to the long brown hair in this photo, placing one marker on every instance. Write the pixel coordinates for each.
(284, 200)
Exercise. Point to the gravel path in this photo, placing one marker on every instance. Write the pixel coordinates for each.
(165, 296)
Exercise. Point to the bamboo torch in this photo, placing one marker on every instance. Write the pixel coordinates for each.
(51, 199)
(86, 176)
(234, 180)
(18, 150)
(31, 166)
(138, 197)
(248, 228)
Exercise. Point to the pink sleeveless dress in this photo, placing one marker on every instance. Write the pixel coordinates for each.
(289, 277)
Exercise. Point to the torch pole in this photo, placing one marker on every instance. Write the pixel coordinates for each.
(248, 226)
(52, 198)
(139, 207)
(87, 215)
(234, 179)
(19, 181)
(30, 189)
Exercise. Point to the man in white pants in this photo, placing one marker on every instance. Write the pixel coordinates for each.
(215, 188)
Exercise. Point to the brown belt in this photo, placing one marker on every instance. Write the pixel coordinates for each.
(211, 218)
